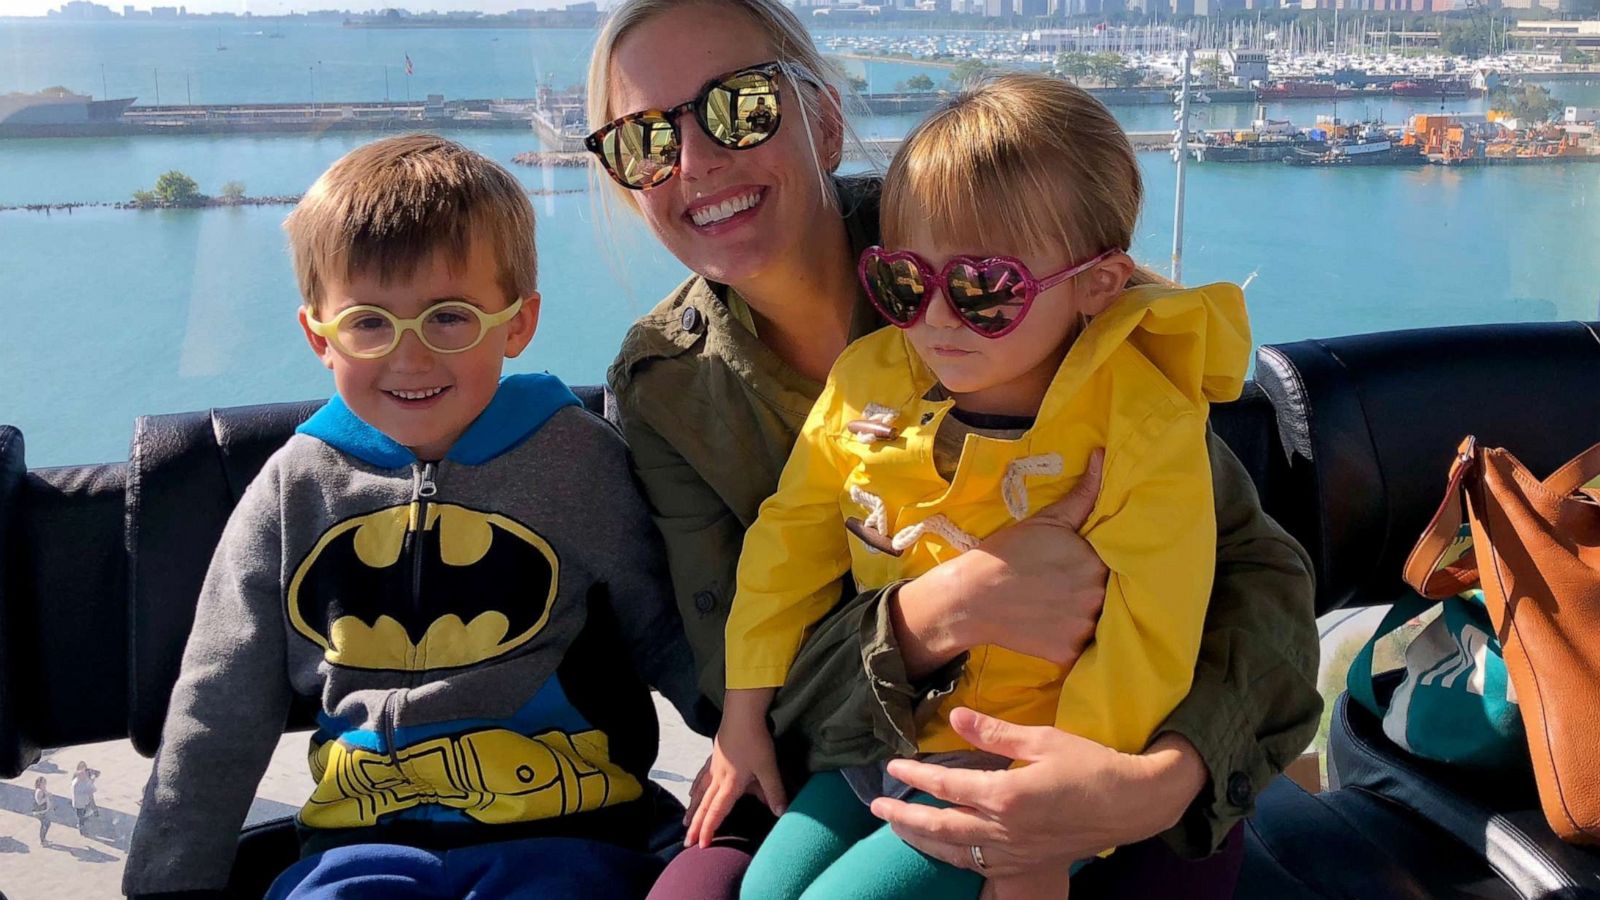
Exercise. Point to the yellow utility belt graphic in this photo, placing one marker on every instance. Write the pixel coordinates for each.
(494, 776)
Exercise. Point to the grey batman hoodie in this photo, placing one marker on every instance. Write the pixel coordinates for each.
(474, 632)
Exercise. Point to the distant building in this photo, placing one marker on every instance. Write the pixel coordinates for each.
(1245, 66)
(163, 12)
(1550, 34)
(589, 7)
(81, 11)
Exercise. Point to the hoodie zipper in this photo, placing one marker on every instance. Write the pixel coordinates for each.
(423, 489)
(422, 492)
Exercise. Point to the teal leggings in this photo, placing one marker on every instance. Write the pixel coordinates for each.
(829, 846)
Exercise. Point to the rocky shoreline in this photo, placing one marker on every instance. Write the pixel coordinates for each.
(209, 202)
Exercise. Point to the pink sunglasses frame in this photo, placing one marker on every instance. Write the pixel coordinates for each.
(1031, 287)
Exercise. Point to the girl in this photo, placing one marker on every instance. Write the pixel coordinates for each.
(41, 809)
(1026, 339)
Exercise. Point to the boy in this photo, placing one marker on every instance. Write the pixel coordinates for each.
(446, 560)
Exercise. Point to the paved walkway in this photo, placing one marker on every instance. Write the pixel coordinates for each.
(73, 866)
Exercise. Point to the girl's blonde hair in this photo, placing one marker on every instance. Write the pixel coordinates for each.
(797, 55)
(1027, 160)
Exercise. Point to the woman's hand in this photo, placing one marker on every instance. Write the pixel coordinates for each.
(743, 761)
(1035, 587)
(1042, 883)
(1016, 815)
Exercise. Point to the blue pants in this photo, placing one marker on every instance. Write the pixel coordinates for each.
(533, 868)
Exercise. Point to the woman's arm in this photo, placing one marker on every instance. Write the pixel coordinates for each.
(1252, 707)
(836, 709)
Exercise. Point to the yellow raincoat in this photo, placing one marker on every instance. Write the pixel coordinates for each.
(1138, 381)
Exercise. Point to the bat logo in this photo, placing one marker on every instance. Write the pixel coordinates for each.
(379, 592)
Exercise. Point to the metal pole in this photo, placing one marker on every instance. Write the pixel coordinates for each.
(158, 85)
(1183, 153)
(188, 96)
(386, 84)
(105, 92)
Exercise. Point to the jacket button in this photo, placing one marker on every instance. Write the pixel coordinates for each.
(1239, 789)
(704, 602)
(691, 319)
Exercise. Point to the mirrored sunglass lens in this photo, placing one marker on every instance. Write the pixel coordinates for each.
(642, 151)
(742, 111)
(989, 297)
(451, 328)
(365, 332)
(897, 286)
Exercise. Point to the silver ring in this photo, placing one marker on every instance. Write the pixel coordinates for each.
(977, 858)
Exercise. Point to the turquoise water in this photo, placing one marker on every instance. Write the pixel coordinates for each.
(109, 314)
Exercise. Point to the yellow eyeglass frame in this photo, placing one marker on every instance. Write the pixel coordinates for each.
(486, 321)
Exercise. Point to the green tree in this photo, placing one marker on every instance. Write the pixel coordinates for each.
(857, 83)
(1530, 103)
(177, 189)
(969, 71)
(233, 191)
(919, 83)
(1128, 77)
(144, 198)
(1076, 65)
(1468, 38)
(1112, 69)
(1212, 70)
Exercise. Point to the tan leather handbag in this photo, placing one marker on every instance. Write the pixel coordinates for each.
(1535, 551)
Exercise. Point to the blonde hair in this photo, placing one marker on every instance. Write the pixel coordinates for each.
(1029, 160)
(791, 45)
(387, 207)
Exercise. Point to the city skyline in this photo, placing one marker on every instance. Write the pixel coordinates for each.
(285, 7)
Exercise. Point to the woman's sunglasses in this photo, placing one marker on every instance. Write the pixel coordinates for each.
(989, 296)
(738, 110)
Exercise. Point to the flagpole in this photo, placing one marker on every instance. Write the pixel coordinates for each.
(1182, 151)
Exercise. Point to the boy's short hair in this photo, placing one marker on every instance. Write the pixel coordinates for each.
(386, 207)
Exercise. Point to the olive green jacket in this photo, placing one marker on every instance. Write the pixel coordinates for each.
(710, 414)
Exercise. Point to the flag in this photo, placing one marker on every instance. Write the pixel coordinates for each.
(409, 70)
(1100, 27)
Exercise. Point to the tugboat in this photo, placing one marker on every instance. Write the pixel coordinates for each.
(1267, 140)
(1434, 87)
(1304, 90)
(1367, 144)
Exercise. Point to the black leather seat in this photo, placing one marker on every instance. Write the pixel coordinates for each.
(1371, 423)
(1346, 441)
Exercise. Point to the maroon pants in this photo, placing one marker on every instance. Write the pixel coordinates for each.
(1146, 869)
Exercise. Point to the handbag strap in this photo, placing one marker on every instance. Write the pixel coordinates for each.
(1579, 471)
(1423, 569)
(1359, 680)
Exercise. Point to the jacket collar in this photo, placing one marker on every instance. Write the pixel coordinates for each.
(520, 407)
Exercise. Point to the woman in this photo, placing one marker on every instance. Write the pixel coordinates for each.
(41, 808)
(83, 793)
(712, 387)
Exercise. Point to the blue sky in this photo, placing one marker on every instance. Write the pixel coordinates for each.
(276, 7)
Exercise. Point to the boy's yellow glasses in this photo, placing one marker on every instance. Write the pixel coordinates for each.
(370, 332)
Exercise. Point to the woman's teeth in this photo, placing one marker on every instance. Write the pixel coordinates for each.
(711, 215)
(417, 395)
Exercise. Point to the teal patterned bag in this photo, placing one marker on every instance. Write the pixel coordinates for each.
(1456, 703)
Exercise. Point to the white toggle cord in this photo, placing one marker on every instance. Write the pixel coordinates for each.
(876, 412)
(1013, 489)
